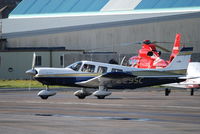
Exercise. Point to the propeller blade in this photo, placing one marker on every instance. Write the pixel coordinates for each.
(32, 71)
(33, 62)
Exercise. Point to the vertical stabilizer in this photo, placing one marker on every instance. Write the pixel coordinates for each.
(177, 44)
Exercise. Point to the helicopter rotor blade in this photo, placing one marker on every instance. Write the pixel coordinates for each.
(138, 43)
(141, 42)
(164, 42)
(171, 42)
(162, 48)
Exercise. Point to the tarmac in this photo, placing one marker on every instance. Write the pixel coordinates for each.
(126, 112)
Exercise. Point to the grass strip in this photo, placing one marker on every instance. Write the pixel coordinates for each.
(21, 84)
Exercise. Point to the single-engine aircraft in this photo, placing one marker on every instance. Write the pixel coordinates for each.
(149, 57)
(104, 76)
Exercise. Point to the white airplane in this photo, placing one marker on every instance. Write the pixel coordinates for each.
(192, 79)
(104, 76)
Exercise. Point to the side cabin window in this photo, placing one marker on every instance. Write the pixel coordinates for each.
(102, 69)
(116, 70)
(75, 66)
(88, 68)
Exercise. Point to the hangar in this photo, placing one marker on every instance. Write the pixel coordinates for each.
(73, 27)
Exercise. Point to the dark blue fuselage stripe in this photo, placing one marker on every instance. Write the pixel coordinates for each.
(71, 81)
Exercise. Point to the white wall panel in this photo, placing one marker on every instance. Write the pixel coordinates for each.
(123, 5)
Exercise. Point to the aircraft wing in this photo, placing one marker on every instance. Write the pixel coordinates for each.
(108, 79)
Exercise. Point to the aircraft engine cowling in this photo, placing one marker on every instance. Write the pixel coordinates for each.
(44, 94)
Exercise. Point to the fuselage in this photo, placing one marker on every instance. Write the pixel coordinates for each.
(85, 70)
(77, 72)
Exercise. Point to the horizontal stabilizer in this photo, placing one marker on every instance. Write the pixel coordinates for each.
(181, 61)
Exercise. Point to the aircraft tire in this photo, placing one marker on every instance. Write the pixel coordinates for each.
(81, 97)
(101, 97)
(44, 97)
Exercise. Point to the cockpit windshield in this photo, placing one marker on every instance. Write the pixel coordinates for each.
(75, 66)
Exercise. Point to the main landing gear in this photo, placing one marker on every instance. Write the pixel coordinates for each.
(81, 94)
(168, 91)
(100, 94)
(192, 91)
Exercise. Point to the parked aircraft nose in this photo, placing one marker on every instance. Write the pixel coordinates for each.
(31, 72)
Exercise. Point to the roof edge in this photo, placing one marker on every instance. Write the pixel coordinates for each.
(136, 11)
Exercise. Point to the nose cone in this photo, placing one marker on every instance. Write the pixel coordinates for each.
(31, 72)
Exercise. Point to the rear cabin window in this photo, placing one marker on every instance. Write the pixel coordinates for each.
(102, 69)
(88, 68)
(116, 70)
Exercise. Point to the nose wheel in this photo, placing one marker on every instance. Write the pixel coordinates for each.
(45, 94)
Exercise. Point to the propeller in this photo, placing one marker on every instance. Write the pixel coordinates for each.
(32, 71)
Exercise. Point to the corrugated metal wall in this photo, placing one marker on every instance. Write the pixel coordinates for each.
(116, 38)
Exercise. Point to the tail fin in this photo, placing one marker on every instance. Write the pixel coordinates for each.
(180, 63)
(175, 50)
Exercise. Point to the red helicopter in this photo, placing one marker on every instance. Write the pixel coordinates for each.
(149, 57)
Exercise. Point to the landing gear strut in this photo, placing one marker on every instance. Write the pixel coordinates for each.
(192, 91)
